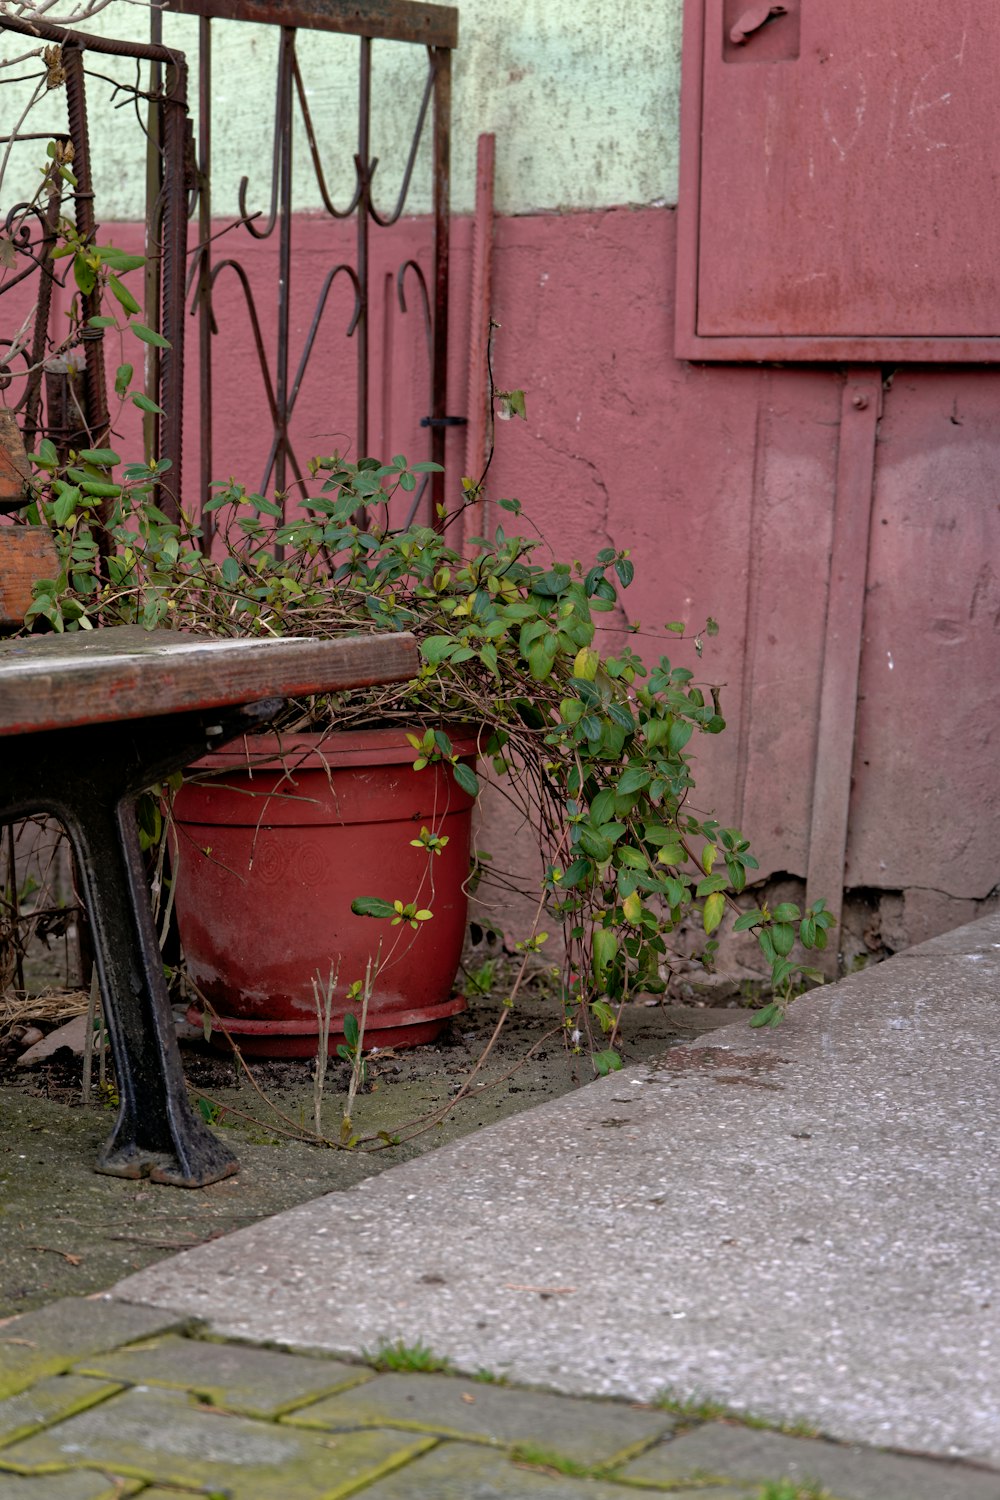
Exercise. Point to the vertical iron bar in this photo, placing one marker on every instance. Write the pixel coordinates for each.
(174, 265)
(364, 211)
(205, 316)
(385, 443)
(441, 61)
(284, 252)
(93, 338)
(32, 404)
(154, 224)
(480, 308)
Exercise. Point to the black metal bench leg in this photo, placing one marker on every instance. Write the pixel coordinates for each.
(157, 1134)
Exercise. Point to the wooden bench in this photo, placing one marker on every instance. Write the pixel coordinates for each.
(87, 722)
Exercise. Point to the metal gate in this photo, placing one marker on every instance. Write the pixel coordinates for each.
(184, 268)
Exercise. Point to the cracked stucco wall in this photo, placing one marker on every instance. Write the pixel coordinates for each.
(583, 98)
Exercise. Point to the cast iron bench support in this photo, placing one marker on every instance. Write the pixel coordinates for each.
(76, 742)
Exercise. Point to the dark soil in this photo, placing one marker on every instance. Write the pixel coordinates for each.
(66, 1230)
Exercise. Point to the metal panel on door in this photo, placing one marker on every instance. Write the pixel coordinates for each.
(839, 193)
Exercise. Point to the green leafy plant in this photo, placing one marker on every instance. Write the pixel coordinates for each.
(791, 1489)
(402, 1357)
(589, 741)
(592, 745)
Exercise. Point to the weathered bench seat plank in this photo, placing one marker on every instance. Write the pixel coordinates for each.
(90, 677)
(88, 722)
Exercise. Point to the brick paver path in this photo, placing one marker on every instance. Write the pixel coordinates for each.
(101, 1400)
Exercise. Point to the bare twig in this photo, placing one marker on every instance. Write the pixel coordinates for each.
(323, 996)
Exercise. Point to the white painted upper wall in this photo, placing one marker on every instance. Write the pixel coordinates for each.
(583, 96)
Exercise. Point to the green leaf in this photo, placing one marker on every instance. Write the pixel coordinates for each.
(606, 1062)
(596, 845)
(539, 663)
(123, 379)
(372, 906)
(787, 911)
(575, 873)
(65, 505)
(437, 648)
(633, 780)
(145, 404)
(102, 322)
(119, 260)
(627, 854)
(124, 295)
(783, 937)
(715, 910)
(712, 884)
(748, 919)
(265, 507)
(602, 808)
(466, 778)
(99, 456)
(101, 489)
(678, 735)
(149, 335)
(352, 1035)
(83, 273)
(605, 950)
(769, 1015)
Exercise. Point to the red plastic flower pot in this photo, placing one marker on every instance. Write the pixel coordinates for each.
(269, 857)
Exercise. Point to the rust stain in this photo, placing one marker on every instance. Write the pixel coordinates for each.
(750, 1083)
(707, 1059)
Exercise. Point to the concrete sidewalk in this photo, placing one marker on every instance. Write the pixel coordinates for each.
(800, 1224)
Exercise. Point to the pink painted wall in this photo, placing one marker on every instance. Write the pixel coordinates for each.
(721, 481)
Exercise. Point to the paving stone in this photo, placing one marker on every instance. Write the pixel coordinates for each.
(51, 1339)
(75, 1484)
(253, 1382)
(161, 1437)
(48, 1402)
(590, 1432)
(73, 1035)
(467, 1471)
(729, 1452)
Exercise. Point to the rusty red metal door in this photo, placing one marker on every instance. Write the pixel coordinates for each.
(854, 146)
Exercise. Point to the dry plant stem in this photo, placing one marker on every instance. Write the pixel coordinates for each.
(324, 1005)
(15, 909)
(294, 1130)
(426, 1122)
(418, 1126)
(357, 1065)
(169, 832)
(102, 1055)
(371, 1142)
(40, 90)
(88, 1038)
